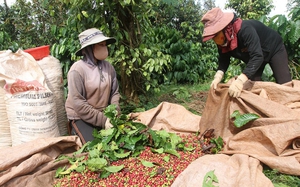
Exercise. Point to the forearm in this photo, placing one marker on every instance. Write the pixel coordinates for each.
(89, 114)
(115, 95)
(223, 61)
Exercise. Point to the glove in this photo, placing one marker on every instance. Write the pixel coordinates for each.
(108, 125)
(217, 79)
(236, 86)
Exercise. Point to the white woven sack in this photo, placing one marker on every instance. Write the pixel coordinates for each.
(52, 70)
(31, 115)
(5, 136)
(30, 105)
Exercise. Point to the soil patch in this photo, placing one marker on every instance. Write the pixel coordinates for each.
(195, 103)
(198, 100)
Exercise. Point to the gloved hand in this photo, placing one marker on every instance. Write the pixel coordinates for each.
(217, 79)
(108, 125)
(236, 86)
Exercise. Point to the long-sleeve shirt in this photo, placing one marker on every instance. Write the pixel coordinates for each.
(257, 43)
(91, 88)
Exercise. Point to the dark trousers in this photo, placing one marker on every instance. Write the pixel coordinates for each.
(82, 129)
(279, 65)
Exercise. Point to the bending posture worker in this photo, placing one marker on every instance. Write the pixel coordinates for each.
(92, 86)
(248, 40)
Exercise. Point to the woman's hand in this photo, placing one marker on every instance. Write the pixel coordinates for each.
(108, 125)
(217, 79)
(236, 87)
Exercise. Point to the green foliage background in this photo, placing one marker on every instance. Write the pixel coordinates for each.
(158, 41)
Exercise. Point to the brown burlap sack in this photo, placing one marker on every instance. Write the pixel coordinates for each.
(33, 163)
(169, 116)
(274, 104)
(238, 170)
(273, 138)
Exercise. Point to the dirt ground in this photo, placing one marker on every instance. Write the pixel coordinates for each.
(195, 103)
(198, 101)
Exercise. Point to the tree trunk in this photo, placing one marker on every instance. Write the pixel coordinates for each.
(129, 83)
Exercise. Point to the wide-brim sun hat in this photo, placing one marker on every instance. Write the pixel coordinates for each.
(214, 21)
(92, 36)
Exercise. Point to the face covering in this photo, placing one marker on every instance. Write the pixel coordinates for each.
(219, 39)
(100, 51)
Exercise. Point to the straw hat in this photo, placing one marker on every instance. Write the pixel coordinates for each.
(214, 21)
(92, 36)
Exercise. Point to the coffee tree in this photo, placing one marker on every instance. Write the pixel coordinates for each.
(250, 9)
(289, 29)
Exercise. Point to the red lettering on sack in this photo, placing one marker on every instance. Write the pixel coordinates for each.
(23, 86)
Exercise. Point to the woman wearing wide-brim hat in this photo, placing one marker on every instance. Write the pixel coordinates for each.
(92, 86)
(248, 40)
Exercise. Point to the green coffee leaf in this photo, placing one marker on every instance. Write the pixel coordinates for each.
(235, 114)
(122, 155)
(94, 153)
(95, 164)
(111, 112)
(189, 148)
(163, 134)
(241, 120)
(155, 138)
(113, 146)
(160, 150)
(173, 152)
(59, 171)
(244, 119)
(107, 132)
(80, 169)
(73, 167)
(210, 179)
(81, 150)
(166, 158)
(175, 139)
(104, 174)
(147, 163)
(218, 142)
(114, 169)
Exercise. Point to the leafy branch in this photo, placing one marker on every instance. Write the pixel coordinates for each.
(209, 143)
(127, 138)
